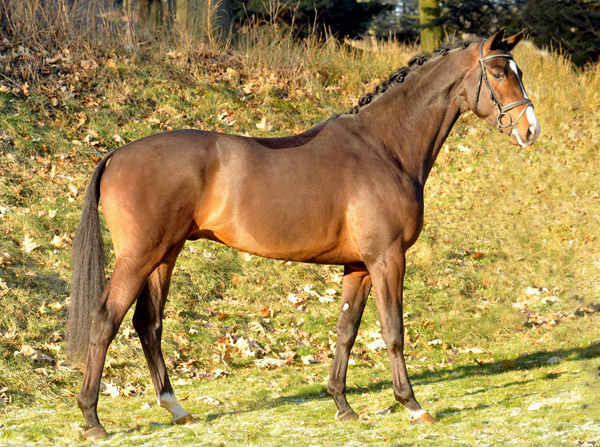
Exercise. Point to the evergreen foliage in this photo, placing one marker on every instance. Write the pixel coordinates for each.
(343, 18)
(570, 25)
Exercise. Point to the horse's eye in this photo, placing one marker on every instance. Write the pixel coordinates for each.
(498, 76)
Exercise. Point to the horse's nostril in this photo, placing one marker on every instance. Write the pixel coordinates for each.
(530, 133)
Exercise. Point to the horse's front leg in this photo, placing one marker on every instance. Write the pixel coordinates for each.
(387, 273)
(356, 285)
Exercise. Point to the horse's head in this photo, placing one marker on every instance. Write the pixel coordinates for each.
(497, 93)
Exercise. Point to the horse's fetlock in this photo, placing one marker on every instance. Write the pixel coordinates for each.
(405, 396)
(84, 404)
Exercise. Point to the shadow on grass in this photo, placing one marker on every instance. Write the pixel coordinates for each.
(522, 363)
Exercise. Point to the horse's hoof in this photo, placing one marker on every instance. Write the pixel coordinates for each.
(185, 420)
(424, 419)
(349, 415)
(94, 433)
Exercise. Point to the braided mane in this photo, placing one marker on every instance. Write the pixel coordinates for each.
(398, 76)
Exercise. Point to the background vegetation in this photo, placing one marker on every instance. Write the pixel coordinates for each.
(502, 297)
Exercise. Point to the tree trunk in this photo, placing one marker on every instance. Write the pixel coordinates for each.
(429, 10)
(218, 18)
(224, 18)
(128, 6)
(211, 19)
(182, 13)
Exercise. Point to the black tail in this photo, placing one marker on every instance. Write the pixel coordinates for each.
(87, 261)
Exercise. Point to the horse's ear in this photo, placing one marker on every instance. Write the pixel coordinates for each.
(512, 41)
(495, 41)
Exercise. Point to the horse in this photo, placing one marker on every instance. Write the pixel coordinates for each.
(348, 191)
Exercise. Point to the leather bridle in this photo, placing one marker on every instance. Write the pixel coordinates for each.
(502, 110)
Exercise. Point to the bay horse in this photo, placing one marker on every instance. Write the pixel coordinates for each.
(349, 191)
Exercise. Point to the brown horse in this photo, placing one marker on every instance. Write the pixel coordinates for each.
(348, 191)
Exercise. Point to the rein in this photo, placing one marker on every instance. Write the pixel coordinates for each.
(502, 110)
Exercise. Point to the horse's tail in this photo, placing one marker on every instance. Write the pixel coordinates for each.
(87, 259)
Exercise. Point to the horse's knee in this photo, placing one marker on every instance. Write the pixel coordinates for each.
(394, 343)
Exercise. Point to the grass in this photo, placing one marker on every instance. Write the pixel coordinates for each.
(501, 289)
(289, 407)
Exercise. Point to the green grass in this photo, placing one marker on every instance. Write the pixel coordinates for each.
(489, 405)
(506, 272)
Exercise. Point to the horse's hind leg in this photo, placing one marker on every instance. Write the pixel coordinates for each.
(124, 287)
(147, 321)
(356, 285)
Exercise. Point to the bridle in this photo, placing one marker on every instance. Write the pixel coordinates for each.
(502, 110)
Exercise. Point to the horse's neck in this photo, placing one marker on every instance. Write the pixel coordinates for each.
(412, 121)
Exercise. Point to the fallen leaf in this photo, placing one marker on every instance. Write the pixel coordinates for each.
(109, 389)
(508, 364)
(119, 139)
(294, 299)
(256, 326)
(209, 400)
(181, 340)
(61, 241)
(25, 89)
(269, 362)
(266, 312)
(376, 345)
(34, 354)
(217, 373)
(557, 371)
(263, 125)
(4, 259)
(308, 359)
(4, 398)
(472, 350)
(535, 406)
(28, 244)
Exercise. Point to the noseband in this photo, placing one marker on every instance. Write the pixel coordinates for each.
(502, 110)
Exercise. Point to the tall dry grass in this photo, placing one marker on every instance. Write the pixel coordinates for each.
(559, 91)
(49, 24)
(35, 29)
